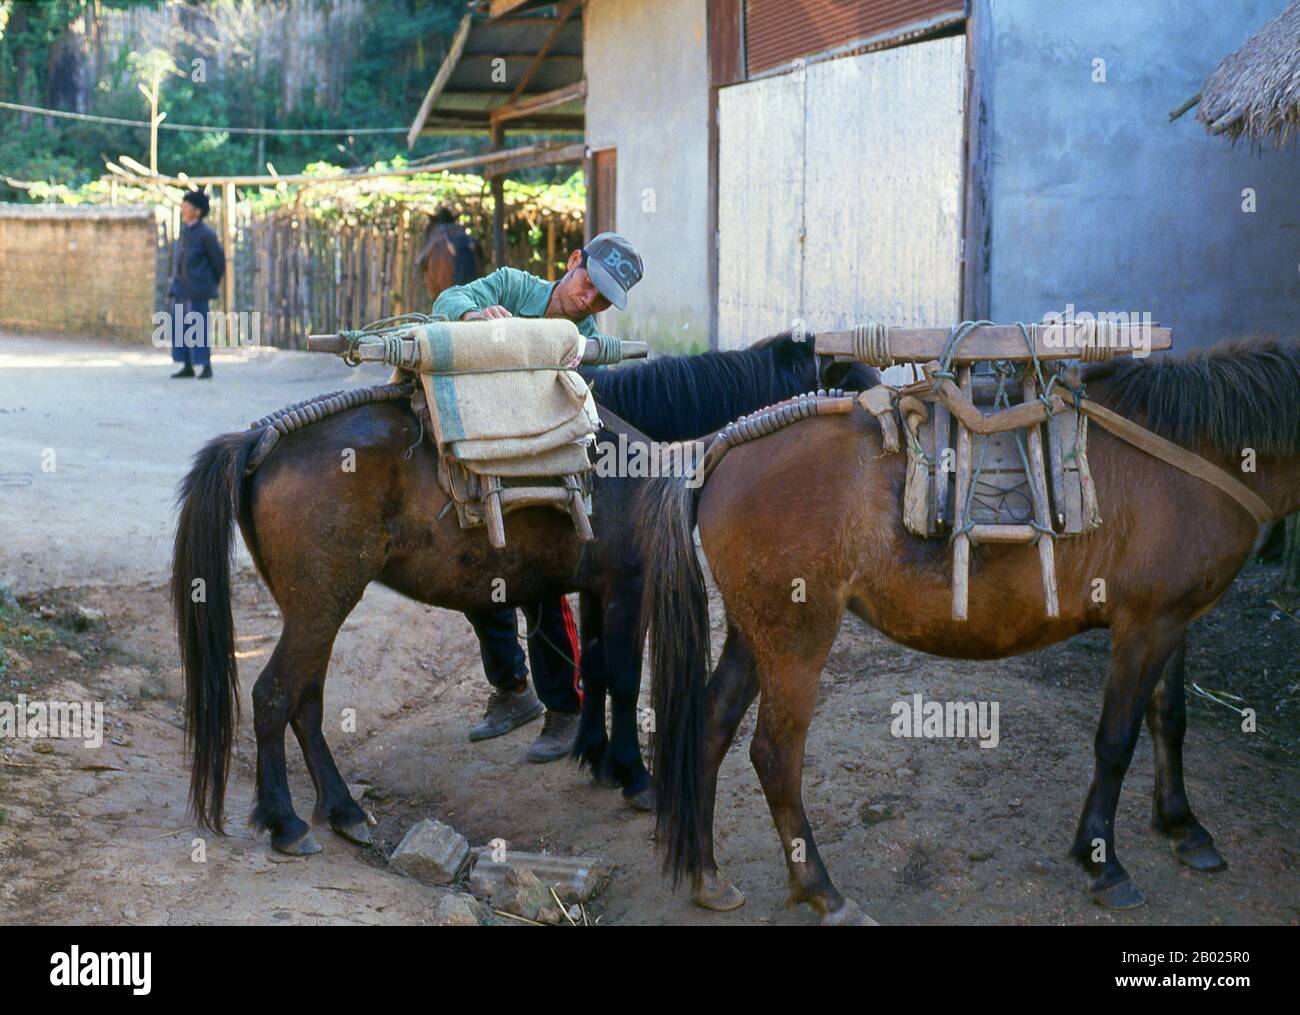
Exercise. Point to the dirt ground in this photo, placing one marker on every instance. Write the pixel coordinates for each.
(917, 831)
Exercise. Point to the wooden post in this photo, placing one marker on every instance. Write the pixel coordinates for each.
(228, 201)
(399, 266)
(961, 542)
(1038, 486)
(493, 517)
(939, 507)
(550, 248)
(498, 203)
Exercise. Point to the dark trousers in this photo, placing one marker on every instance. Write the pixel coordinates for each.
(552, 651)
(197, 355)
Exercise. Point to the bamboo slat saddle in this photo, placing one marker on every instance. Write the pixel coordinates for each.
(996, 432)
(995, 454)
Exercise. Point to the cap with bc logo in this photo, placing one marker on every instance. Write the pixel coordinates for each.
(614, 266)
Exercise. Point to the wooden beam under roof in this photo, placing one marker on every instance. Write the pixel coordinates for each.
(535, 103)
(562, 11)
(440, 82)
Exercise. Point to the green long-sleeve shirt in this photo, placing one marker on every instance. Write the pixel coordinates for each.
(524, 295)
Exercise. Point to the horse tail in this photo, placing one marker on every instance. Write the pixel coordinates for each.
(210, 502)
(675, 611)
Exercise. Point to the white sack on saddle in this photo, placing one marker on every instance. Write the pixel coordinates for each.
(505, 388)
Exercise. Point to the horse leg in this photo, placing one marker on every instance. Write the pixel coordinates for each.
(789, 695)
(591, 746)
(1138, 655)
(274, 700)
(623, 641)
(1171, 812)
(731, 690)
(334, 802)
(295, 676)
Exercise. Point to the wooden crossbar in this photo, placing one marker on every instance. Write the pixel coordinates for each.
(373, 352)
(997, 342)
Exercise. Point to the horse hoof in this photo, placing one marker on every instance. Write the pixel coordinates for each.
(848, 915)
(1203, 857)
(1121, 895)
(605, 778)
(643, 801)
(718, 894)
(306, 845)
(358, 833)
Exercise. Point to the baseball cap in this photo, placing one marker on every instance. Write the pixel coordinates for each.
(614, 266)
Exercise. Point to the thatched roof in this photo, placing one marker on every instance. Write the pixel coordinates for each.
(1255, 91)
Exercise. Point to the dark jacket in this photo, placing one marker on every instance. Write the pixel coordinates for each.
(198, 263)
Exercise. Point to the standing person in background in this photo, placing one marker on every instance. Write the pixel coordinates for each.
(198, 263)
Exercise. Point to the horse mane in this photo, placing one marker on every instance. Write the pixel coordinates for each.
(674, 396)
(1241, 393)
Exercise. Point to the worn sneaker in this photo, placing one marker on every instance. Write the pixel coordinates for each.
(559, 730)
(507, 710)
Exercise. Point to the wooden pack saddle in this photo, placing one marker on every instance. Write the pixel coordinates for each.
(997, 447)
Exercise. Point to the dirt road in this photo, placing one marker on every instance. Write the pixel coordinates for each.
(918, 831)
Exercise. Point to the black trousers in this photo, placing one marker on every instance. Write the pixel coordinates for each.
(553, 651)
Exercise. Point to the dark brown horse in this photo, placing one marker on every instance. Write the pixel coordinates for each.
(820, 501)
(319, 535)
(449, 256)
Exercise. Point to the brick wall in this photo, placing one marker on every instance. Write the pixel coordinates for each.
(78, 271)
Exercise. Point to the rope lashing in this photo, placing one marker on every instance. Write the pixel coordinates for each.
(388, 330)
(609, 350)
(950, 347)
(392, 338)
(761, 423)
(871, 344)
(1099, 339)
(294, 417)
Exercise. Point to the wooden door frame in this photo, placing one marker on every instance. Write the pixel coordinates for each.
(975, 283)
(589, 171)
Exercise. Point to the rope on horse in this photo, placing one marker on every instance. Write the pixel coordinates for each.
(392, 332)
(387, 330)
(871, 344)
(609, 350)
(1099, 339)
(313, 410)
(769, 420)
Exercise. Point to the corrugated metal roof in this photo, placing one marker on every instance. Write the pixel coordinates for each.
(779, 31)
(474, 85)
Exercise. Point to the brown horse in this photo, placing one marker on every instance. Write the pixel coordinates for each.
(449, 255)
(319, 535)
(820, 501)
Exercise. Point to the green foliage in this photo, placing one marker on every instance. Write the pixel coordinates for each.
(242, 84)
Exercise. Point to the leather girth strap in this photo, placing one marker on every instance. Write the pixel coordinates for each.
(1179, 457)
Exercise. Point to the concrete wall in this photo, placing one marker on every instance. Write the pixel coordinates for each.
(78, 271)
(1098, 200)
(647, 95)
